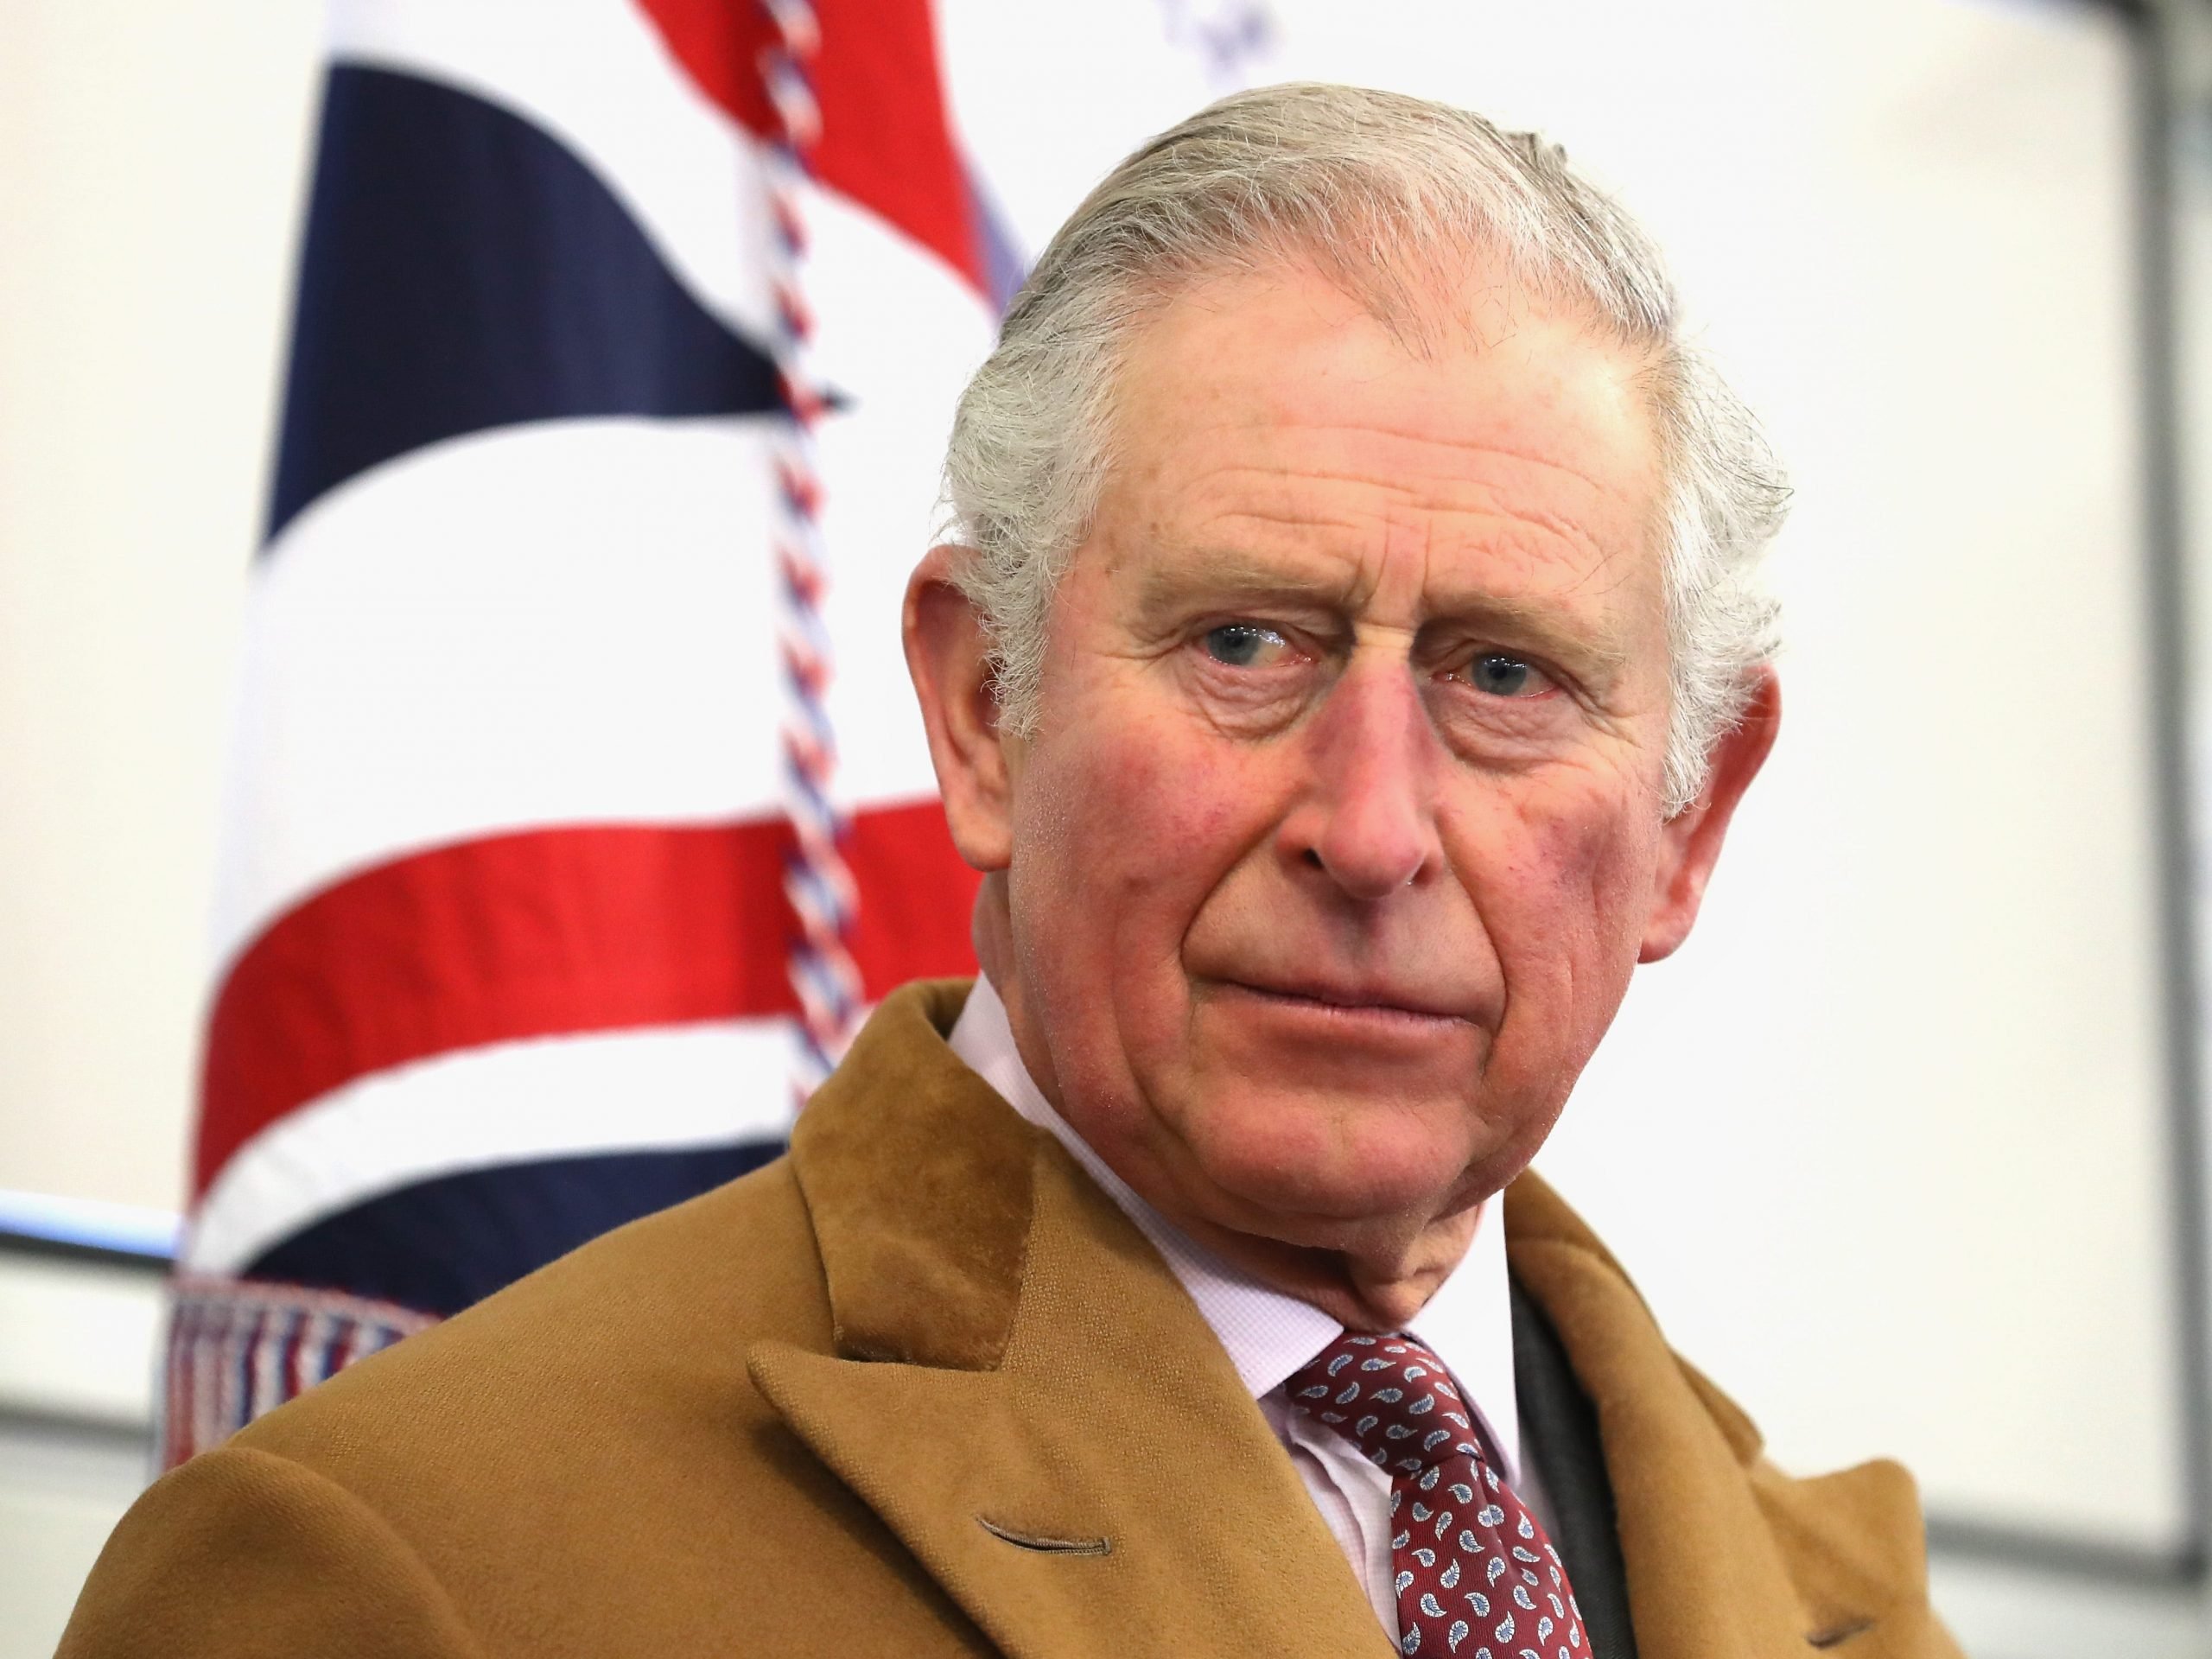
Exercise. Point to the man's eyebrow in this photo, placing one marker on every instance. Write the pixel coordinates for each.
(1185, 578)
(1588, 645)
(1232, 578)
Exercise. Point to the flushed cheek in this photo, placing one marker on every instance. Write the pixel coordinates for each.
(1121, 808)
(1124, 834)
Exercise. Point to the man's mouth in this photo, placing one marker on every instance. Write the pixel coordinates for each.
(1352, 1002)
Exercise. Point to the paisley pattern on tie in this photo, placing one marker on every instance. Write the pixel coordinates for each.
(1476, 1577)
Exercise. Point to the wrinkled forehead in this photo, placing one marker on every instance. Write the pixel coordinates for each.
(1272, 415)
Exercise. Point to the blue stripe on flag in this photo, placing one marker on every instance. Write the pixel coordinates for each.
(440, 1244)
(461, 270)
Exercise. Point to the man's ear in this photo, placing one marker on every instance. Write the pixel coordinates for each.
(1691, 838)
(947, 653)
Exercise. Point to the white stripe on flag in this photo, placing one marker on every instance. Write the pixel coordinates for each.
(510, 1103)
(562, 623)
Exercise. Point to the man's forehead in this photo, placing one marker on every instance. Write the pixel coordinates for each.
(1288, 339)
(1279, 442)
(1270, 382)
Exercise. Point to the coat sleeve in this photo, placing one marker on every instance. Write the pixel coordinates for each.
(242, 1554)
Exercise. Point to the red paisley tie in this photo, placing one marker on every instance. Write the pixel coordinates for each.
(1475, 1575)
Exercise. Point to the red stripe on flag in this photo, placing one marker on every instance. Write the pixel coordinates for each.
(886, 141)
(551, 931)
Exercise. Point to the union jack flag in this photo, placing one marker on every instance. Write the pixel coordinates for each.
(579, 803)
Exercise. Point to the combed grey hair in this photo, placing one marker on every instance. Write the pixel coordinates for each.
(1388, 193)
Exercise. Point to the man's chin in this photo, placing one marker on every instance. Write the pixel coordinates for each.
(1260, 1170)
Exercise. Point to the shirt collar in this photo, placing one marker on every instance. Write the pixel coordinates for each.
(1269, 1334)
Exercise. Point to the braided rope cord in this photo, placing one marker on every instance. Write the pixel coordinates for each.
(817, 879)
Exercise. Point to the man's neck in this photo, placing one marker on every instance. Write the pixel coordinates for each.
(1333, 1282)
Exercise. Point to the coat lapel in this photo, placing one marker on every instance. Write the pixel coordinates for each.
(1022, 1391)
(1726, 1557)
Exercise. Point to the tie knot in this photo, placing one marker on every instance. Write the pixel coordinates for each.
(1389, 1396)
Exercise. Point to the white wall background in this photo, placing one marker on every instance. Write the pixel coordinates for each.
(151, 164)
(1884, 1145)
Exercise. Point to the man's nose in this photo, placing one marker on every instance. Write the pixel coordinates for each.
(1368, 817)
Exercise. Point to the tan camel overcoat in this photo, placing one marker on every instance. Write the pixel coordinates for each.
(918, 1388)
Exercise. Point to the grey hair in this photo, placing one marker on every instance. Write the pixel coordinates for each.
(1382, 190)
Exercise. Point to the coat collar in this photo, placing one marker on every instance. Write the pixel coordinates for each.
(1022, 1391)
(920, 1184)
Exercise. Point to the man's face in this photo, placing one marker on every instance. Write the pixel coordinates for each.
(1342, 827)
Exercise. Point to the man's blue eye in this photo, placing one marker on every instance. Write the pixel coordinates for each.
(1240, 645)
(1501, 676)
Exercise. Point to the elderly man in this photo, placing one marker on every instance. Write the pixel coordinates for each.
(1345, 666)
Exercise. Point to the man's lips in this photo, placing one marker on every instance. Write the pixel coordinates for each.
(1352, 1001)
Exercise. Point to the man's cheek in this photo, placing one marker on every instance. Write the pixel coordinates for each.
(1160, 803)
(1580, 853)
(1565, 909)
